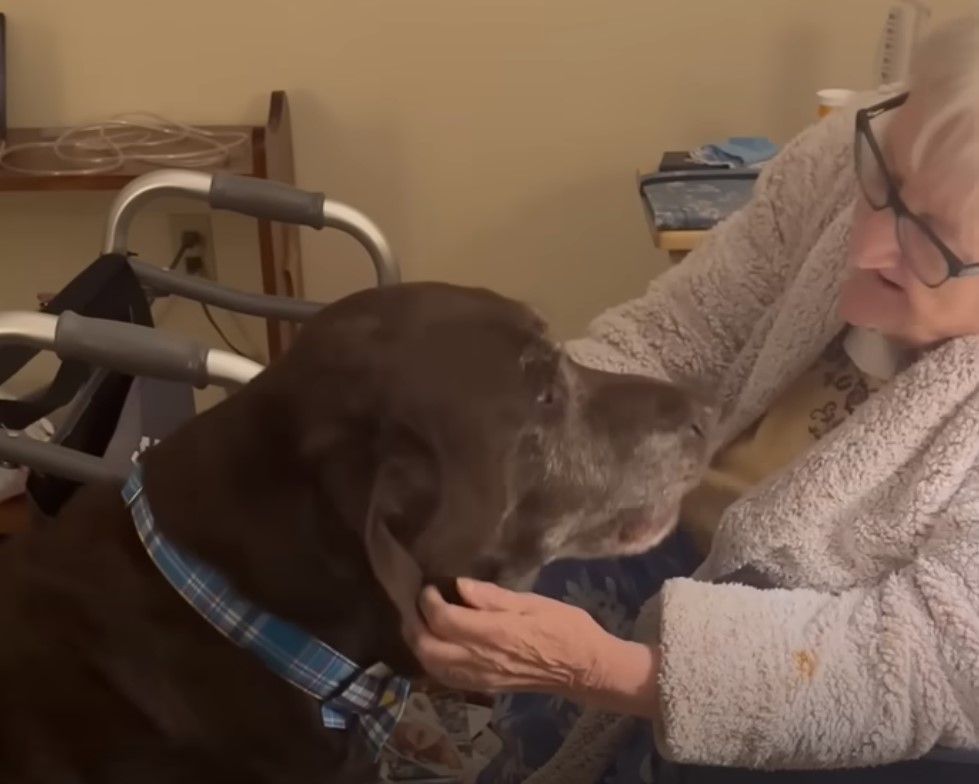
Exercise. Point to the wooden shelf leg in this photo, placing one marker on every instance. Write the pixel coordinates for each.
(279, 248)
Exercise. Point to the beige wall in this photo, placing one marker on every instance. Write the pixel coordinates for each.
(495, 141)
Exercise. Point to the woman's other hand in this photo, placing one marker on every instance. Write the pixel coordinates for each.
(507, 641)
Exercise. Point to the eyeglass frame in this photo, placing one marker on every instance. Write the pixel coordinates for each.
(954, 266)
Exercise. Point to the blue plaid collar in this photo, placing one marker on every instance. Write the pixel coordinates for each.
(372, 699)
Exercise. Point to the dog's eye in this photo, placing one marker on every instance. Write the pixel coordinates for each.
(548, 397)
(697, 430)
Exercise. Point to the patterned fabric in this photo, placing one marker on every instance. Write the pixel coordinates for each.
(533, 726)
(810, 408)
(372, 699)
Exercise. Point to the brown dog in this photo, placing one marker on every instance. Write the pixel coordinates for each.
(444, 410)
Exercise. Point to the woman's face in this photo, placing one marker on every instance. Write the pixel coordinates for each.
(882, 290)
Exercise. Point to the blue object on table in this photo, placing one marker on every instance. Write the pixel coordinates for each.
(736, 151)
(686, 200)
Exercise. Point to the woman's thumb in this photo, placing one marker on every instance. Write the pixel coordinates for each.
(487, 596)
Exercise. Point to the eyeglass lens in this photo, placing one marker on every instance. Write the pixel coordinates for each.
(919, 250)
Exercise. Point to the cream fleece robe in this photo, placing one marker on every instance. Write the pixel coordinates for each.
(867, 652)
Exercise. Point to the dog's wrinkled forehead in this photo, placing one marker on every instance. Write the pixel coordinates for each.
(493, 342)
(437, 344)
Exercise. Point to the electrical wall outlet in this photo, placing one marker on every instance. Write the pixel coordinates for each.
(199, 259)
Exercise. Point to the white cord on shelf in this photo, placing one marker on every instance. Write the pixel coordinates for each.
(101, 148)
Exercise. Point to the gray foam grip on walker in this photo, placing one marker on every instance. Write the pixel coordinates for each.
(267, 199)
(57, 460)
(131, 348)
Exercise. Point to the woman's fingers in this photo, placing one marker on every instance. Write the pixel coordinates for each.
(451, 663)
(504, 640)
(484, 596)
(430, 648)
(447, 663)
(452, 622)
(436, 654)
(489, 596)
(488, 612)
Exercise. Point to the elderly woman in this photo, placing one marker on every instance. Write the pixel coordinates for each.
(835, 621)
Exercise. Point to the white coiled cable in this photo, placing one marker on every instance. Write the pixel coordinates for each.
(102, 148)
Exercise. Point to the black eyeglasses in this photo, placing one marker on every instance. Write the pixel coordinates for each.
(932, 261)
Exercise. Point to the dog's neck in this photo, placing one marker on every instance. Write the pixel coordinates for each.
(235, 496)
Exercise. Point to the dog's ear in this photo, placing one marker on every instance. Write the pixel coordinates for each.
(406, 484)
(384, 482)
(390, 438)
(408, 504)
(358, 463)
(394, 567)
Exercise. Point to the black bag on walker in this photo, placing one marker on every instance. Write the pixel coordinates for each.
(103, 413)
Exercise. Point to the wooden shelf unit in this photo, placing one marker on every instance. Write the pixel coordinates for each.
(268, 154)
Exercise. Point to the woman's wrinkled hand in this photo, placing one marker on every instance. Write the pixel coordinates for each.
(505, 641)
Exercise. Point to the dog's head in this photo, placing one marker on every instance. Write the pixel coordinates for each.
(449, 413)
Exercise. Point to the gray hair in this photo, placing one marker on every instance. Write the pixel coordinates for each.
(945, 69)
